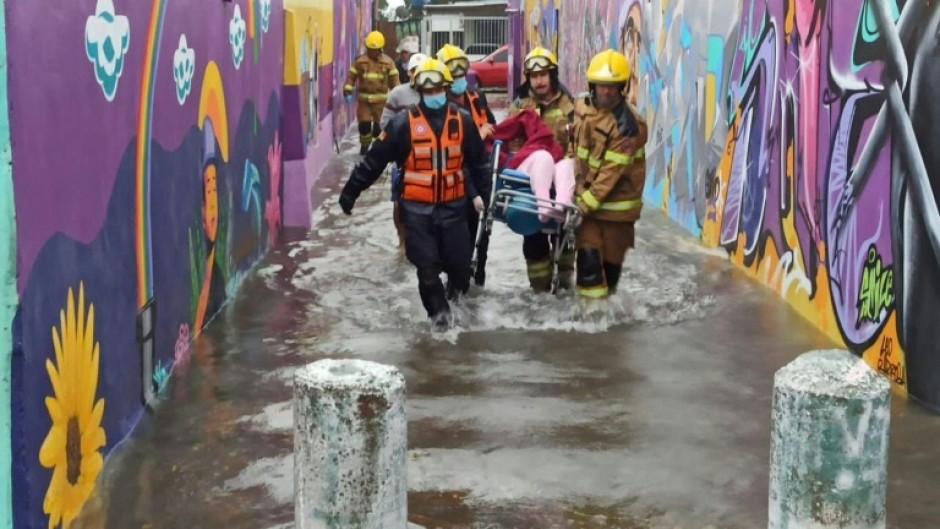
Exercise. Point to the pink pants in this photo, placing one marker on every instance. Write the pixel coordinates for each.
(543, 172)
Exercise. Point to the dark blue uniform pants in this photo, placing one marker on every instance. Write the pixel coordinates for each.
(437, 239)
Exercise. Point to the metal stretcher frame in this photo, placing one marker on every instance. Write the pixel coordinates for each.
(501, 201)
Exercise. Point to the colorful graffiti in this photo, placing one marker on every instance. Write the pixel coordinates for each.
(132, 236)
(542, 23)
(800, 138)
(804, 96)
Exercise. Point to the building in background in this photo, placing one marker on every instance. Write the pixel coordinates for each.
(480, 27)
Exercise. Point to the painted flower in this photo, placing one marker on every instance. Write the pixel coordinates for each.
(184, 68)
(237, 33)
(161, 375)
(72, 446)
(272, 209)
(181, 351)
(107, 37)
(265, 7)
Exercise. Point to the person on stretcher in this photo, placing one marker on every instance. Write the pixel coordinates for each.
(537, 132)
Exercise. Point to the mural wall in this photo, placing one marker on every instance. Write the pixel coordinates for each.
(146, 176)
(771, 137)
(322, 38)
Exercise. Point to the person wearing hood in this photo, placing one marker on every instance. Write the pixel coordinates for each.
(474, 102)
(544, 94)
(406, 50)
(445, 169)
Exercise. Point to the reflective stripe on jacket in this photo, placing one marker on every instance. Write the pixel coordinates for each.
(374, 77)
(611, 168)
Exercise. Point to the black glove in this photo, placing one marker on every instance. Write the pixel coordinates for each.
(346, 202)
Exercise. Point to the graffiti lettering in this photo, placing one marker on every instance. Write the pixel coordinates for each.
(886, 364)
(876, 293)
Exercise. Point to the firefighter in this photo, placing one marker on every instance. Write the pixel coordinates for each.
(376, 74)
(474, 102)
(610, 140)
(544, 93)
(445, 168)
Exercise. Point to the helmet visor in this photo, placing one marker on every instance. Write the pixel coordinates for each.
(459, 66)
(539, 63)
(429, 79)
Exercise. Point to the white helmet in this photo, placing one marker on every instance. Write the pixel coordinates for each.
(415, 60)
(409, 44)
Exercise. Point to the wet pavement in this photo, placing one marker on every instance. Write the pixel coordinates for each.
(653, 414)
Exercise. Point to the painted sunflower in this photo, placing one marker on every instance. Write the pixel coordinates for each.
(72, 446)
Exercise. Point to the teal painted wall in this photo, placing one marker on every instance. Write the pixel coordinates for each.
(7, 285)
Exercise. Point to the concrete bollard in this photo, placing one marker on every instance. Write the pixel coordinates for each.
(350, 442)
(829, 444)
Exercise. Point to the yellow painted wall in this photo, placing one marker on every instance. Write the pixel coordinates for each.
(309, 23)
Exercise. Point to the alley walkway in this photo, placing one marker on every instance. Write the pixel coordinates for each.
(526, 416)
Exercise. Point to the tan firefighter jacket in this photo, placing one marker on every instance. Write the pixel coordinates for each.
(375, 78)
(557, 114)
(609, 146)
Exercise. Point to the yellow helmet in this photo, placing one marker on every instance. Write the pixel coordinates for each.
(539, 60)
(609, 67)
(375, 41)
(455, 59)
(431, 73)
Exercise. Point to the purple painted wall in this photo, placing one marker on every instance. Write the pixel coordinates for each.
(147, 178)
(316, 116)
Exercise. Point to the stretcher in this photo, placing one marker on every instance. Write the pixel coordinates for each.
(513, 203)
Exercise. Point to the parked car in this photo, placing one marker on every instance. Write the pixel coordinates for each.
(493, 70)
(479, 50)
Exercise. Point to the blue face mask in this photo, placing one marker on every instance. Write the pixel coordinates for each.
(459, 86)
(435, 102)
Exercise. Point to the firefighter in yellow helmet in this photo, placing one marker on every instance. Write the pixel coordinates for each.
(445, 168)
(375, 74)
(609, 144)
(543, 93)
(474, 102)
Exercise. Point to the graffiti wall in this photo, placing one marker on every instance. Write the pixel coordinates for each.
(823, 193)
(799, 136)
(322, 38)
(146, 179)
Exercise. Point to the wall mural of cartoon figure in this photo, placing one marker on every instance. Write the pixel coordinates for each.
(213, 122)
(630, 42)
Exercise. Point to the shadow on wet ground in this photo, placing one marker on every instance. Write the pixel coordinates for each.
(654, 413)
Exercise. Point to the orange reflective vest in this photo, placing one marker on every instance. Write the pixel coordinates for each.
(434, 169)
(477, 110)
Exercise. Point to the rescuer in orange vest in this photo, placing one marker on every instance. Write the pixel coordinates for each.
(445, 168)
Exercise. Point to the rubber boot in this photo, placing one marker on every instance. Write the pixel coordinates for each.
(540, 274)
(612, 273)
(432, 293)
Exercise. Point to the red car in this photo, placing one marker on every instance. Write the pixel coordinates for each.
(493, 70)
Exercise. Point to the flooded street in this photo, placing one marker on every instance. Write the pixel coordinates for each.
(654, 413)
